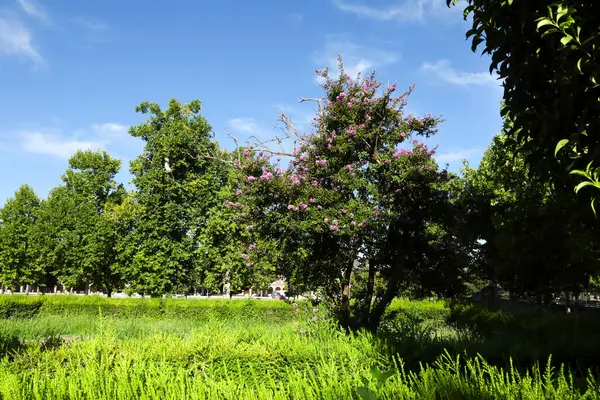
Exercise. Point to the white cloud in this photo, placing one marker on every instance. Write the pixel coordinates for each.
(92, 24)
(15, 39)
(110, 128)
(444, 70)
(247, 126)
(407, 10)
(56, 146)
(456, 156)
(357, 59)
(33, 9)
(294, 19)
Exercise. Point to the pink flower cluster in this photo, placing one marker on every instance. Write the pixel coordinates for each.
(251, 178)
(266, 175)
(252, 246)
(231, 204)
(321, 163)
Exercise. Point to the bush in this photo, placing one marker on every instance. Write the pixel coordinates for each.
(29, 306)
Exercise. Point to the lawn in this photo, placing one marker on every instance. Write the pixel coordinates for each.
(63, 347)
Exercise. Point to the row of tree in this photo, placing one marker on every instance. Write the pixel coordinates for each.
(362, 210)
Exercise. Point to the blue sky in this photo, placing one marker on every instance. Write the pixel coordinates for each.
(71, 72)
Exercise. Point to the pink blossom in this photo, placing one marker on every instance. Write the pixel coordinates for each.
(312, 200)
(267, 156)
(329, 102)
(314, 318)
(351, 132)
(280, 171)
(353, 222)
(344, 211)
(252, 246)
(388, 161)
(249, 227)
(361, 126)
(334, 228)
(266, 175)
(315, 309)
(348, 167)
(390, 200)
(341, 97)
(249, 265)
(403, 134)
(396, 155)
(351, 215)
(303, 206)
(393, 87)
(398, 190)
(290, 207)
(321, 163)
(349, 105)
(326, 220)
(278, 159)
(319, 207)
(251, 178)
(260, 153)
(333, 135)
(294, 179)
(362, 224)
(302, 158)
(335, 222)
(238, 192)
(329, 146)
(246, 152)
(245, 256)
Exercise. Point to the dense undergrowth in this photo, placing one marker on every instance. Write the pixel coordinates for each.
(294, 353)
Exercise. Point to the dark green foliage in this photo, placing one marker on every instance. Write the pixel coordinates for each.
(17, 245)
(546, 53)
(92, 306)
(176, 182)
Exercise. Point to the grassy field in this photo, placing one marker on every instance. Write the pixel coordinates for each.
(62, 347)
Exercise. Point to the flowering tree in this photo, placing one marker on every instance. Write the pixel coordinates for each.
(352, 194)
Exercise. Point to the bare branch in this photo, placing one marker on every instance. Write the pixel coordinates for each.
(318, 100)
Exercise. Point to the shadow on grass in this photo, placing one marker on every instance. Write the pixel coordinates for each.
(523, 338)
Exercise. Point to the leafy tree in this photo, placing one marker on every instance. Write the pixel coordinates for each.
(536, 240)
(351, 195)
(177, 177)
(17, 218)
(77, 238)
(546, 53)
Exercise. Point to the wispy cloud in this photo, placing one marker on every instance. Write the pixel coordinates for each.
(56, 143)
(357, 59)
(407, 10)
(247, 126)
(56, 146)
(33, 9)
(443, 69)
(15, 39)
(294, 19)
(111, 128)
(92, 24)
(457, 155)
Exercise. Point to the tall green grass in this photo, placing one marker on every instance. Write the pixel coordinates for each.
(60, 352)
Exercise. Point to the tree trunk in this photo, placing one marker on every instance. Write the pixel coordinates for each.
(380, 307)
(366, 307)
(345, 304)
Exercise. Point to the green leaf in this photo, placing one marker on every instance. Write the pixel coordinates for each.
(593, 206)
(582, 185)
(566, 39)
(543, 22)
(579, 172)
(366, 394)
(560, 145)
